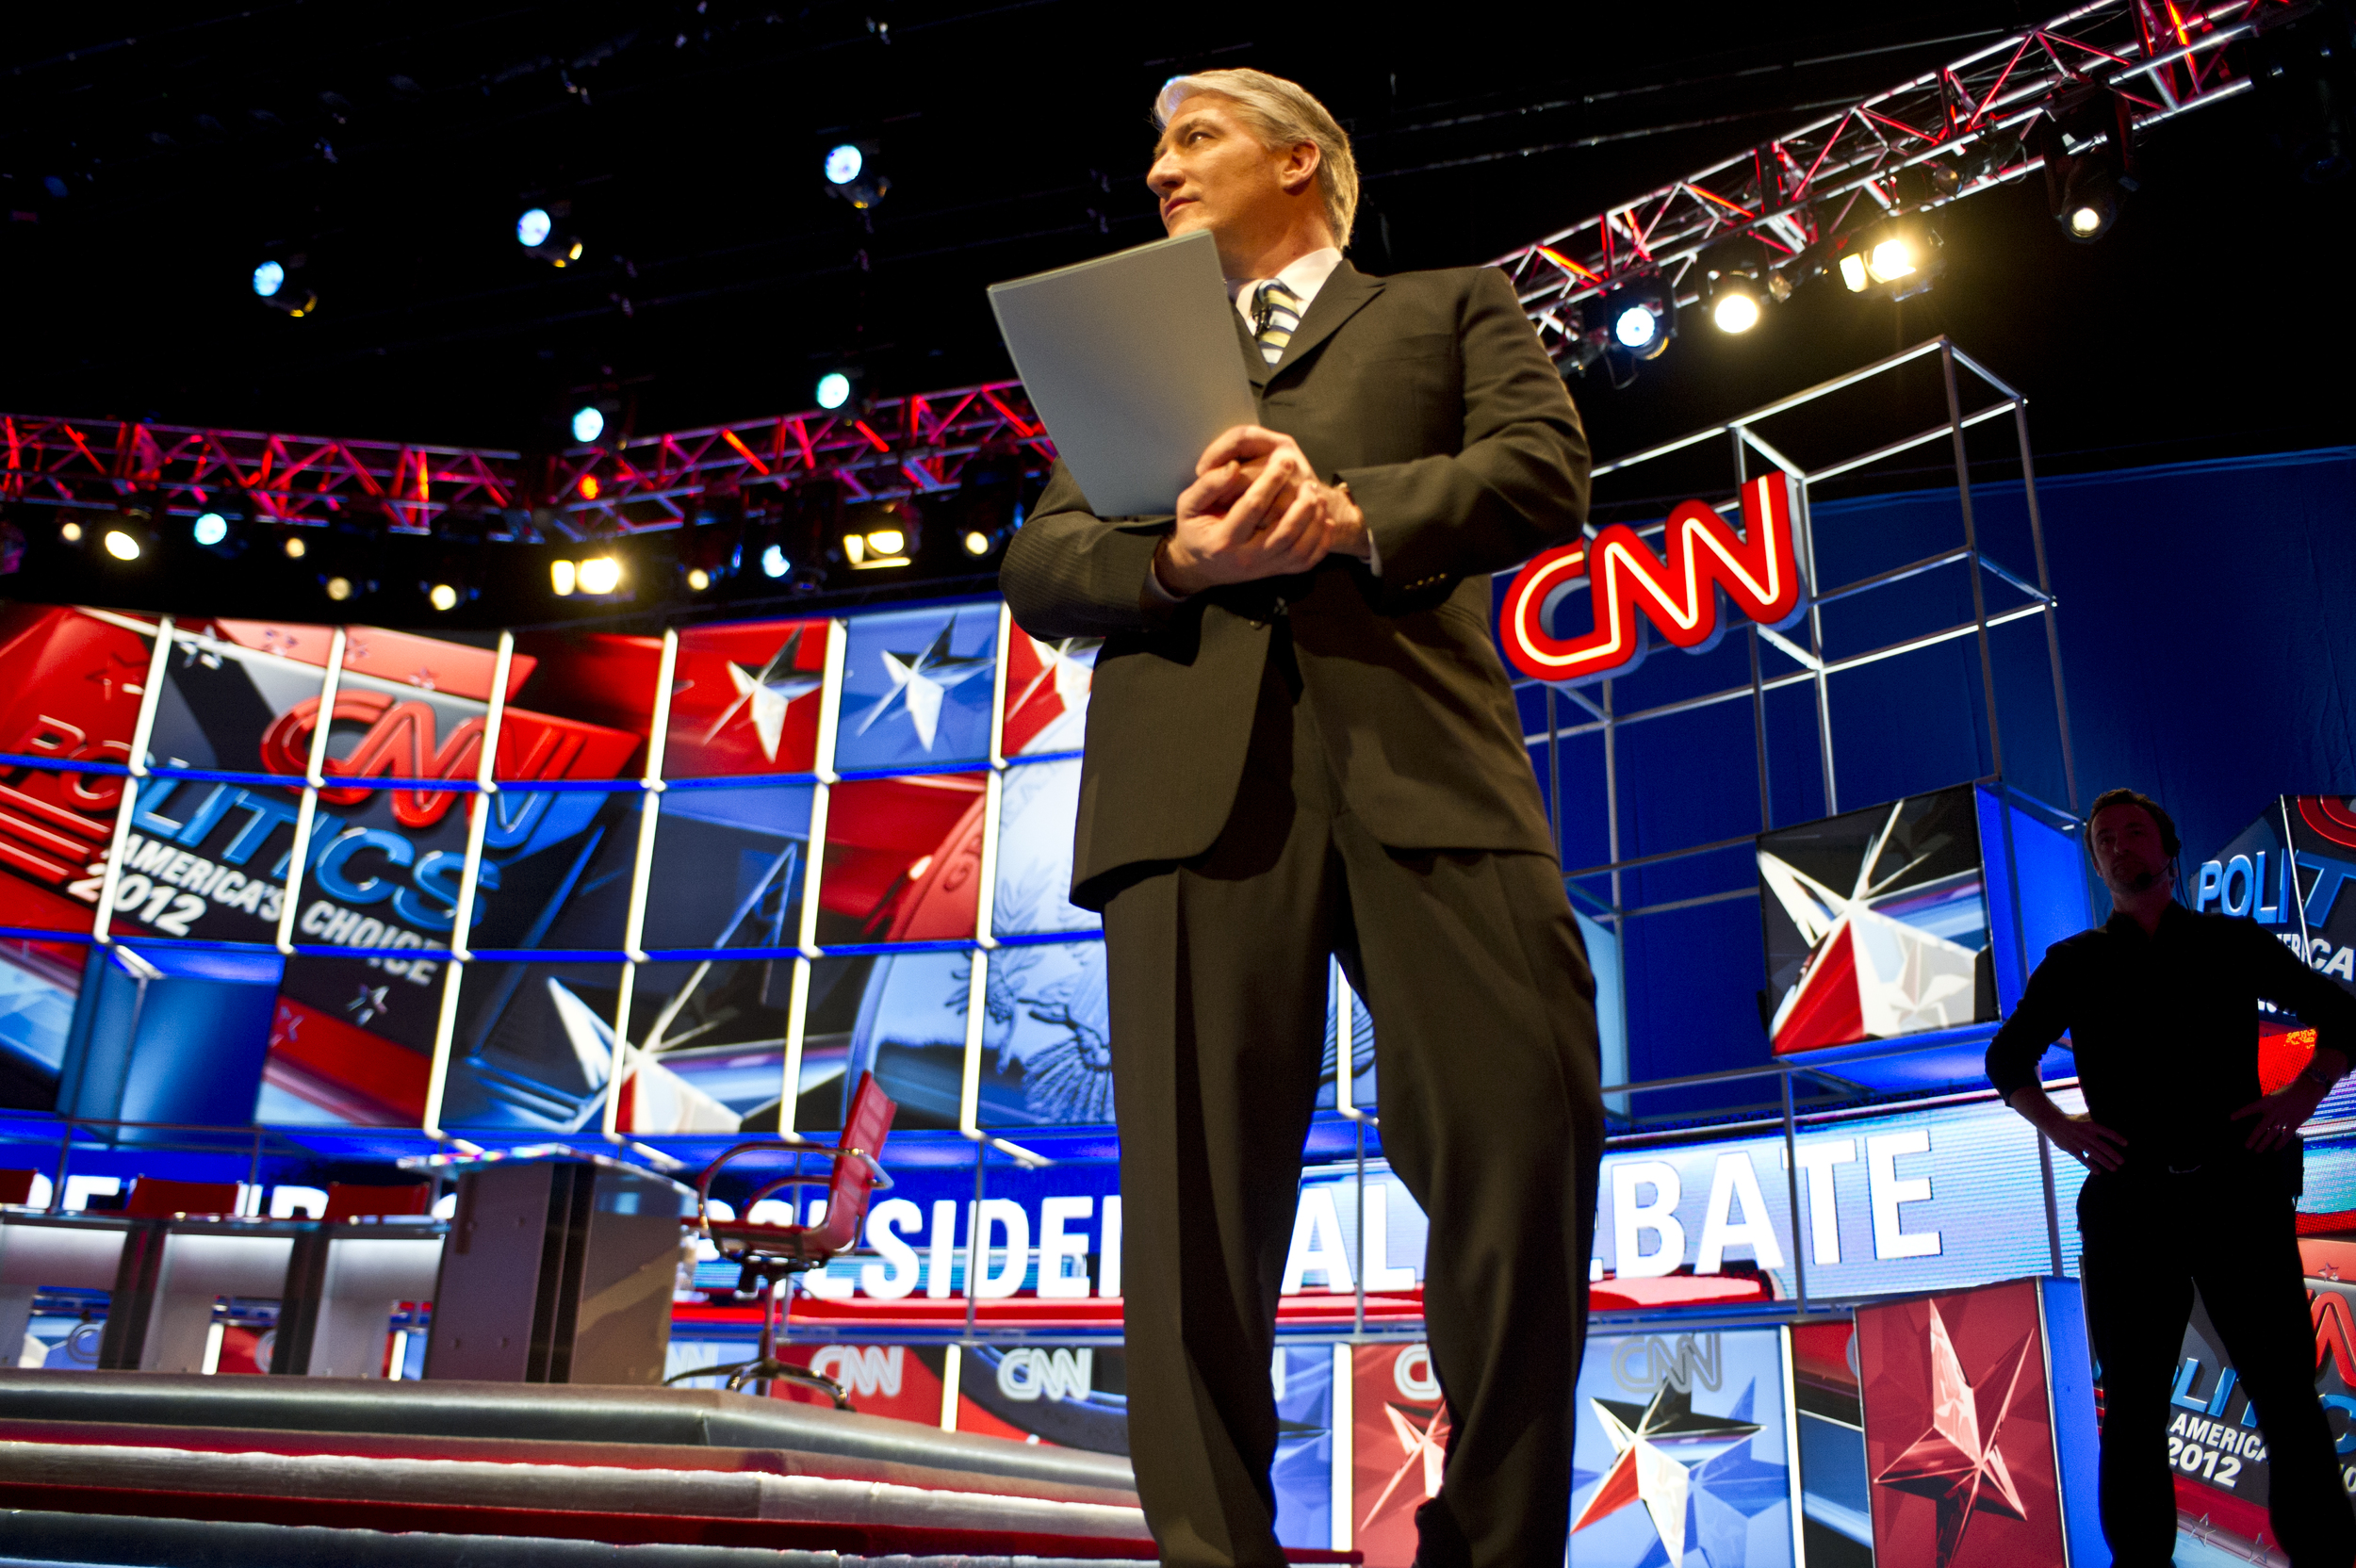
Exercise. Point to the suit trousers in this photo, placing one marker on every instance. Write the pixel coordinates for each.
(2149, 1240)
(1483, 1004)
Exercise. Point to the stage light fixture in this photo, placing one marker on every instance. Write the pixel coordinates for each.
(1734, 300)
(275, 284)
(564, 577)
(2086, 140)
(1635, 328)
(340, 588)
(70, 532)
(850, 170)
(210, 529)
(772, 561)
(697, 578)
(976, 542)
(1638, 319)
(588, 424)
(537, 231)
(834, 390)
(442, 597)
(600, 574)
(296, 548)
(121, 545)
(1897, 259)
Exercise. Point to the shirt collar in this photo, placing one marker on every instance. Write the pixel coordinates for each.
(1304, 276)
(2121, 924)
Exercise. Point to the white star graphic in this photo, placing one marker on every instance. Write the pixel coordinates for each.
(769, 691)
(920, 680)
(371, 1001)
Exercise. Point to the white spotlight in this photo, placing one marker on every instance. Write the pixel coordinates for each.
(1734, 313)
(121, 545)
(211, 529)
(844, 164)
(772, 561)
(588, 424)
(834, 389)
(269, 279)
(533, 228)
(600, 574)
(442, 597)
(1635, 327)
(564, 577)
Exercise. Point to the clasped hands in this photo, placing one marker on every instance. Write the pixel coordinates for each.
(1255, 510)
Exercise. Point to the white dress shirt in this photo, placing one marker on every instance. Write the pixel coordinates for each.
(1304, 276)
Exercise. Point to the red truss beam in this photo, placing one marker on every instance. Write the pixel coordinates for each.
(2163, 56)
(895, 447)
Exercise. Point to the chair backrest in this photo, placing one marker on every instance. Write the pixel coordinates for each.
(155, 1199)
(350, 1201)
(863, 1133)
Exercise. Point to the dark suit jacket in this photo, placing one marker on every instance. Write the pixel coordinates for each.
(1428, 394)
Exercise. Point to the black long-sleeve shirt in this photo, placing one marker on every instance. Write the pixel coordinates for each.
(2165, 1027)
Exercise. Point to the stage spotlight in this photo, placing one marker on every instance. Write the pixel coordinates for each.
(276, 286)
(1897, 259)
(880, 535)
(442, 597)
(2087, 142)
(834, 389)
(564, 577)
(121, 545)
(70, 532)
(850, 170)
(338, 588)
(1639, 318)
(976, 542)
(600, 574)
(1733, 300)
(537, 231)
(533, 227)
(210, 529)
(588, 424)
(1635, 328)
(296, 548)
(772, 561)
(697, 578)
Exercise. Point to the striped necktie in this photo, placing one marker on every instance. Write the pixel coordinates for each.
(1275, 316)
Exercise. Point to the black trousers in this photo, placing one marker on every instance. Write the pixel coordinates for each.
(2148, 1242)
(1485, 1045)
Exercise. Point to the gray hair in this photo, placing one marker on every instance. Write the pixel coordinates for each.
(1283, 114)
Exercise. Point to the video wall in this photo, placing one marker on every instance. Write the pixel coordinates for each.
(800, 849)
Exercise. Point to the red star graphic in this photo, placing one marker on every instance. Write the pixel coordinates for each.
(1955, 1463)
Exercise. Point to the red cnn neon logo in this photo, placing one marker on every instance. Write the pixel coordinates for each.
(1622, 576)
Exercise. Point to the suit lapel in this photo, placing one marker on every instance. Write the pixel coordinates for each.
(1344, 294)
(1256, 365)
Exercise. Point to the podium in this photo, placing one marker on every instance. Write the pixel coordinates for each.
(560, 1268)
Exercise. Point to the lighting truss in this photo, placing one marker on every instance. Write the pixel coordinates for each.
(896, 446)
(1837, 172)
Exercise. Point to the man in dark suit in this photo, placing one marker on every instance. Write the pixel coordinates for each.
(1301, 744)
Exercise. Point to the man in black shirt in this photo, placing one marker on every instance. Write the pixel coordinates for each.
(2192, 1175)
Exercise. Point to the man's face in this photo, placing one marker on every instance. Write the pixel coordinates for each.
(2127, 849)
(1210, 172)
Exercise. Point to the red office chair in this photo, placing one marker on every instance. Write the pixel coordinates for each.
(766, 1253)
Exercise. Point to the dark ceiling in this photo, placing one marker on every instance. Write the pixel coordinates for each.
(394, 145)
